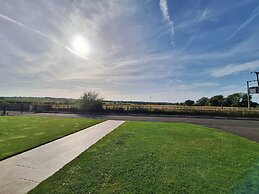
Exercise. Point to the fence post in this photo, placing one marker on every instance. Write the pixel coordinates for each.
(4, 110)
(22, 108)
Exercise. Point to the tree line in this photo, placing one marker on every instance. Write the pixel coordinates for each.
(232, 100)
(92, 102)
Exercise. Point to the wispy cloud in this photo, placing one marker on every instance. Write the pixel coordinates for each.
(137, 60)
(251, 17)
(41, 34)
(164, 8)
(204, 14)
(234, 69)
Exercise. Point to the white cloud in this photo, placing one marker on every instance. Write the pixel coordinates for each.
(41, 34)
(234, 69)
(132, 61)
(164, 8)
(125, 66)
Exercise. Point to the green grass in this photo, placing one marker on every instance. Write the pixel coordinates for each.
(20, 133)
(153, 157)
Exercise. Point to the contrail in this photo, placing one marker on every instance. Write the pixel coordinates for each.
(42, 34)
(251, 17)
(164, 9)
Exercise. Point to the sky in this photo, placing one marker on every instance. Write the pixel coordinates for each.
(169, 50)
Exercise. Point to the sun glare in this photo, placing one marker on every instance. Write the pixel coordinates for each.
(80, 45)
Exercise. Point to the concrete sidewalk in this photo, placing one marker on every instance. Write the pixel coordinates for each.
(21, 173)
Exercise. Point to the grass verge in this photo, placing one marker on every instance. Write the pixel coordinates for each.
(21, 133)
(155, 157)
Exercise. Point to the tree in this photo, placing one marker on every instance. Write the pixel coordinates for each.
(202, 101)
(3, 105)
(244, 100)
(189, 103)
(234, 99)
(217, 100)
(91, 102)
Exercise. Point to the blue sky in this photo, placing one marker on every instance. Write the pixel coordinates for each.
(172, 50)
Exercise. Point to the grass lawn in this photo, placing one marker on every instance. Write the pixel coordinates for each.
(20, 133)
(155, 157)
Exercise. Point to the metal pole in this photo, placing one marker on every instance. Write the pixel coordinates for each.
(22, 108)
(257, 77)
(248, 95)
(4, 110)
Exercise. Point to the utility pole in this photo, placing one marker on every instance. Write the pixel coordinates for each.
(248, 95)
(257, 77)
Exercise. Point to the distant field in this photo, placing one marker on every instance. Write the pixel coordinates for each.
(71, 106)
(18, 133)
(155, 157)
(209, 110)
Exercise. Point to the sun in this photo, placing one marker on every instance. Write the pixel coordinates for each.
(80, 45)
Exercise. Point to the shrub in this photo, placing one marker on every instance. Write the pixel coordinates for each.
(189, 103)
(91, 102)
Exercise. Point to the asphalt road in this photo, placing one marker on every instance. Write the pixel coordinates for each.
(248, 128)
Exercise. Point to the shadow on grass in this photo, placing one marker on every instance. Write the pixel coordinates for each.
(251, 183)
